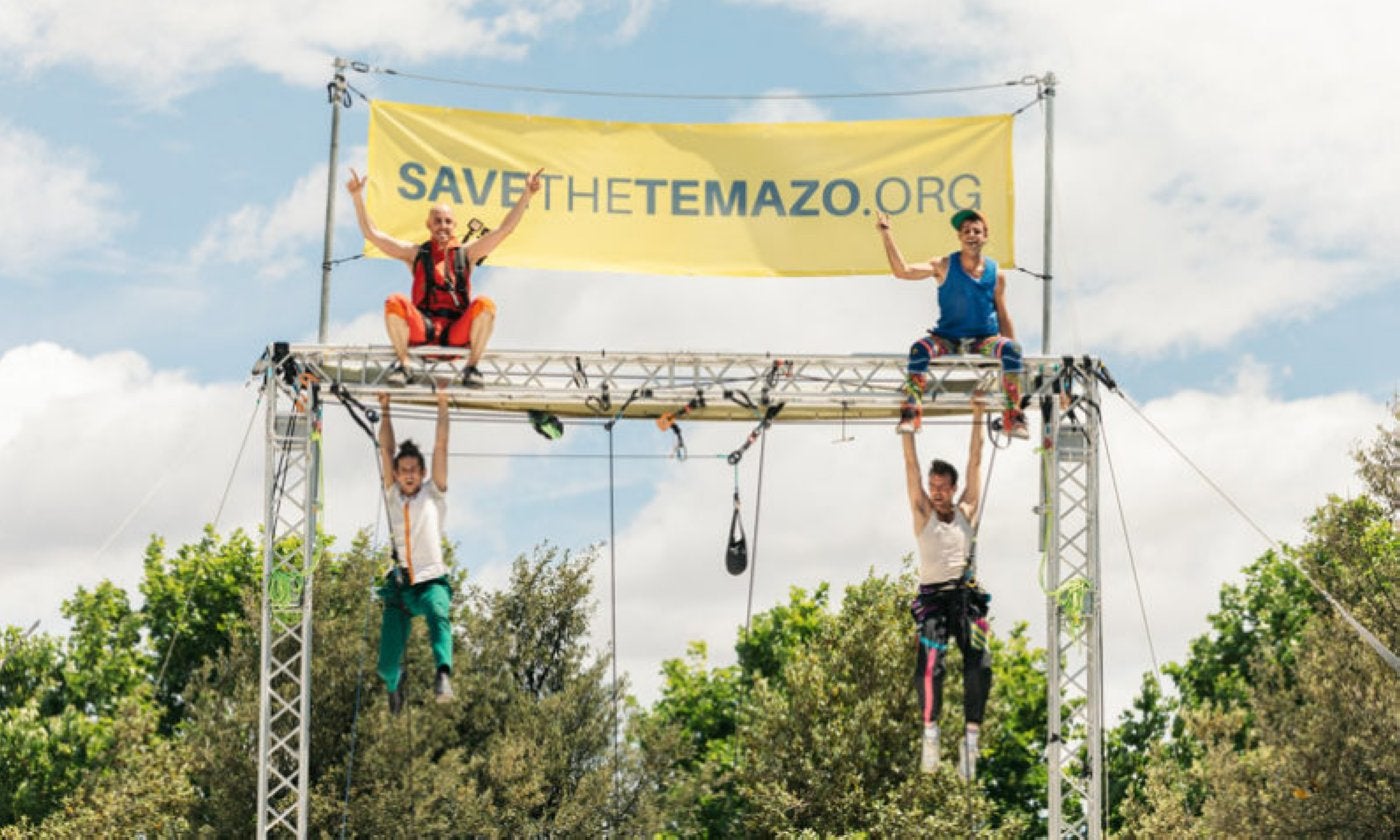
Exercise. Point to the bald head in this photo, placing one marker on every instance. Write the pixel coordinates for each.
(441, 223)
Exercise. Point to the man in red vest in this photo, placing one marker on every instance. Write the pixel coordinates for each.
(442, 310)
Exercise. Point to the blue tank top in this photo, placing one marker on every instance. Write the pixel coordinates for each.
(967, 305)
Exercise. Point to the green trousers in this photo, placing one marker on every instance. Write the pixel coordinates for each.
(431, 599)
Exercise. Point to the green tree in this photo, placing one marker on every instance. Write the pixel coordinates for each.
(1293, 732)
(143, 788)
(526, 748)
(194, 604)
(59, 698)
(826, 741)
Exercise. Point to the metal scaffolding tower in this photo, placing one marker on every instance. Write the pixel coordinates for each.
(289, 552)
(719, 387)
(1074, 640)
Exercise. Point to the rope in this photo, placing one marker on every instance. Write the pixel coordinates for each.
(369, 608)
(744, 97)
(1366, 635)
(1132, 562)
(355, 717)
(612, 601)
(218, 514)
(757, 512)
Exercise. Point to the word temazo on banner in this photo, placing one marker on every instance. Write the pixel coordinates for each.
(782, 199)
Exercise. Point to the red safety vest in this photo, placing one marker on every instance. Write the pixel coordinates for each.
(434, 297)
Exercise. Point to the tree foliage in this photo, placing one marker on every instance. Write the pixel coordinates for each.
(815, 732)
(1286, 720)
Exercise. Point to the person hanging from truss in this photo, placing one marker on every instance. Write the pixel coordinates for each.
(949, 601)
(972, 317)
(442, 310)
(418, 582)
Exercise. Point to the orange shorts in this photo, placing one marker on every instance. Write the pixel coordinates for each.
(449, 333)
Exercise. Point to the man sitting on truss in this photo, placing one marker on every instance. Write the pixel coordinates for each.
(418, 583)
(949, 603)
(972, 317)
(442, 311)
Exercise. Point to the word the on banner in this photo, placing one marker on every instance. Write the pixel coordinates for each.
(725, 199)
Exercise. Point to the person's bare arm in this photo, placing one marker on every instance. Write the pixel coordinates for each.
(391, 246)
(901, 269)
(386, 441)
(971, 499)
(919, 504)
(444, 424)
(1008, 328)
(484, 245)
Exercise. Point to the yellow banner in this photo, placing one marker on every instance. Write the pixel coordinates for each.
(724, 199)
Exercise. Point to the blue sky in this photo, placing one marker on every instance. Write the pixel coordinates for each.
(1225, 239)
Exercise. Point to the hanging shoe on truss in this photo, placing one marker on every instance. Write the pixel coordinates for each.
(911, 419)
(472, 378)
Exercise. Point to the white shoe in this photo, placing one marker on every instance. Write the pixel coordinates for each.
(967, 756)
(928, 754)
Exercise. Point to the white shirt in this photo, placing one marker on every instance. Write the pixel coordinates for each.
(943, 548)
(416, 524)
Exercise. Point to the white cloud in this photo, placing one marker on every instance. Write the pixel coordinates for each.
(62, 202)
(107, 451)
(161, 51)
(275, 239)
(1217, 168)
(781, 110)
(639, 14)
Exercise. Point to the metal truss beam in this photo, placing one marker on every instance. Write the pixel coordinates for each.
(600, 384)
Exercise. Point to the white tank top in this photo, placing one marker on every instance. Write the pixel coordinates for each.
(943, 548)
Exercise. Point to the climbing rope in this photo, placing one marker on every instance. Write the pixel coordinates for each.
(1385, 653)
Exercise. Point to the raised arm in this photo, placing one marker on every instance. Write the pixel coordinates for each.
(900, 268)
(440, 444)
(484, 245)
(919, 504)
(971, 499)
(396, 248)
(1008, 329)
(386, 441)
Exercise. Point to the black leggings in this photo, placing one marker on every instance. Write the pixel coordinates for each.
(961, 612)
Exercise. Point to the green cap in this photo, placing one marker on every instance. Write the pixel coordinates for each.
(963, 215)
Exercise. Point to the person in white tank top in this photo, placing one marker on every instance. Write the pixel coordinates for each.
(949, 602)
(418, 584)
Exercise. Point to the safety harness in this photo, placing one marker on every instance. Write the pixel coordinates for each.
(438, 300)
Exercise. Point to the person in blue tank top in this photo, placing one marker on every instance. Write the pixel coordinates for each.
(972, 317)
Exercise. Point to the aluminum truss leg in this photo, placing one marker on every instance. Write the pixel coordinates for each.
(1074, 641)
(292, 485)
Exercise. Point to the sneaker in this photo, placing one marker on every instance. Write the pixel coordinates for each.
(472, 378)
(398, 375)
(1014, 422)
(911, 419)
(928, 754)
(442, 687)
(967, 756)
(396, 701)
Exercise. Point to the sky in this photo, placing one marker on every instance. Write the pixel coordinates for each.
(1225, 239)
